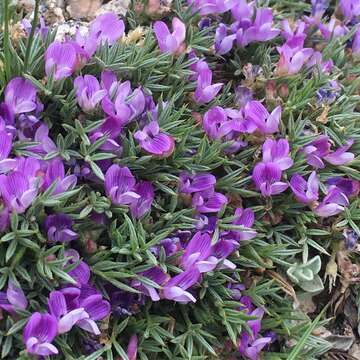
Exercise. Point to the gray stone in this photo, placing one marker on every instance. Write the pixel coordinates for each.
(119, 7)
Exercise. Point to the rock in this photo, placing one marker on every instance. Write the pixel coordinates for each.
(26, 5)
(119, 7)
(70, 28)
(52, 11)
(83, 9)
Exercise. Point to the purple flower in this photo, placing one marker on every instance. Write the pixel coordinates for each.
(332, 30)
(142, 205)
(265, 122)
(5, 144)
(60, 60)
(196, 183)
(350, 9)
(169, 245)
(41, 136)
(356, 43)
(106, 28)
(111, 128)
(155, 274)
(39, 332)
(73, 306)
(246, 218)
(175, 288)
(292, 59)
(88, 92)
(223, 41)
(55, 172)
(349, 187)
(207, 7)
(333, 203)
(205, 90)
(20, 96)
(277, 152)
(258, 31)
(127, 105)
(16, 191)
(243, 95)
(266, 177)
(341, 156)
(13, 299)
(119, 185)
(208, 201)
(316, 150)
(243, 12)
(294, 38)
(132, 348)
(155, 142)
(318, 7)
(197, 253)
(305, 191)
(81, 272)
(59, 228)
(170, 42)
(351, 239)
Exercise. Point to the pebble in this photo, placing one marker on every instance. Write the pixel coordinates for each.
(119, 7)
(83, 9)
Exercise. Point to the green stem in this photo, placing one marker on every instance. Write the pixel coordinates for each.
(32, 34)
(7, 40)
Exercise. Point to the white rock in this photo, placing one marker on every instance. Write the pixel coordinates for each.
(119, 7)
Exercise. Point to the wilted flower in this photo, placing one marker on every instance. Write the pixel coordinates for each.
(39, 332)
(59, 228)
(171, 42)
(351, 239)
(60, 60)
(88, 92)
(155, 142)
(305, 191)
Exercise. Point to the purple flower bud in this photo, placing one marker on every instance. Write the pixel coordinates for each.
(39, 332)
(142, 205)
(20, 96)
(356, 43)
(265, 122)
(277, 152)
(170, 42)
(266, 177)
(106, 28)
(88, 92)
(59, 228)
(305, 191)
(155, 142)
(333, 203)
(119, 185)
(132, 348)
(205, 90)
(60, 60)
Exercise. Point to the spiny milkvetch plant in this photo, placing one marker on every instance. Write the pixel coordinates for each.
(168, 186)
